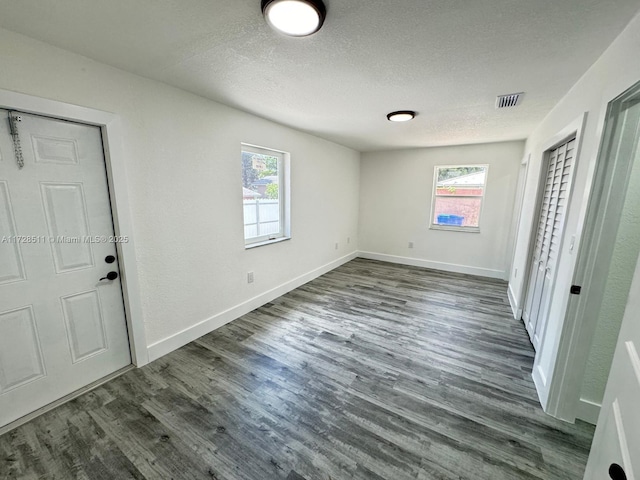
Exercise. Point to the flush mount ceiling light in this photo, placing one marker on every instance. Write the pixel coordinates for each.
(297, 18)
(401, 116)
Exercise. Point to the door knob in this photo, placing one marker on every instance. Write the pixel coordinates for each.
(616, 472)
(110, 276)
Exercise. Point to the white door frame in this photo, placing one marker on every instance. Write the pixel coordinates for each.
(582, 311)
(114, 156)
(522, 183)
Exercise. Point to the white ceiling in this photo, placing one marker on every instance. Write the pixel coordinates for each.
(447, 59)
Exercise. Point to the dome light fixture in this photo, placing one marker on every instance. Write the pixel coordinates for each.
(401, 116)
(297, 18)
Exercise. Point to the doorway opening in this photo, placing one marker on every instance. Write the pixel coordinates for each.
(606, 257)
(553, 203)
(67, 225)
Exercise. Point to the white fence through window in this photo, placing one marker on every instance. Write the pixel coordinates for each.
(261, 217)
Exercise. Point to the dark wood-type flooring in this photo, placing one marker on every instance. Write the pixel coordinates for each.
(373, 371)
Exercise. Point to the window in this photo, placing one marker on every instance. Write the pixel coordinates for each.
(264, 195)
(457, 199)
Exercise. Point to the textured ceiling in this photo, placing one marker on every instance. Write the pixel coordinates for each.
(447, 59)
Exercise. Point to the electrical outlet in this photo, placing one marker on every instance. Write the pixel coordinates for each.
(336, 245)
(410, 244)
(348, 239)
(250, 277)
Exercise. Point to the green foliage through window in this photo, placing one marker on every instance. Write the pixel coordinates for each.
(453, 172)
(249, 175)
(272, 191)
(272, 167)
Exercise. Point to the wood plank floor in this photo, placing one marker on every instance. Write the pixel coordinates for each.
(373, 371)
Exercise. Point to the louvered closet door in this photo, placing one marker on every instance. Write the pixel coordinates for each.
(532, 304)
(548, 238)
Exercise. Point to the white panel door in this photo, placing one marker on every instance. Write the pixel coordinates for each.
(61, 326)
(548, 238)
(615, 453)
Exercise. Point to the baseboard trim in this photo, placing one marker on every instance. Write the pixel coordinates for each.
(447, 267)
(173, 342)
(588, 411)
(540, 382)
(517, 312)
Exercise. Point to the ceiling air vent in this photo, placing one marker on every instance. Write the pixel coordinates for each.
(511, 100)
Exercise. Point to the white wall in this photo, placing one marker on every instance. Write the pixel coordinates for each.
(396, 189)
(616, 71)
(184, 170)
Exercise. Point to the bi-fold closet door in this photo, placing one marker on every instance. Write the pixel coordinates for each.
(557, 189)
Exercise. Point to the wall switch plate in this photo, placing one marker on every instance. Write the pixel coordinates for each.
(410, 244)
(348, 239)
(336, 245)
(250, 277)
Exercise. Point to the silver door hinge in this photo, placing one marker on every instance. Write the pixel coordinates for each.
(14, 118)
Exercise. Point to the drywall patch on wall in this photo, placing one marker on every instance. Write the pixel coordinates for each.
(396, 190)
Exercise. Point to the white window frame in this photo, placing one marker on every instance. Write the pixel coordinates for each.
(284, 196)
(454, 228)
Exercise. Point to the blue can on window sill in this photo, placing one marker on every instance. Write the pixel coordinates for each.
(450, 220)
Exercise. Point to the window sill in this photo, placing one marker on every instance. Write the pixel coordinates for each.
(266, 242)
(455, 229)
